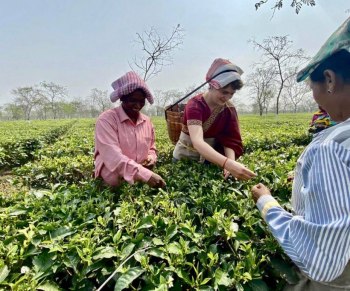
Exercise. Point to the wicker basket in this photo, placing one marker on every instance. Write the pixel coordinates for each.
(174, 119)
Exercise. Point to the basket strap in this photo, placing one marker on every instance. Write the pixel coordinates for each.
(194, 90)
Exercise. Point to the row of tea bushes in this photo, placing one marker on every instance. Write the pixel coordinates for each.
(20, 141)
(199, 233)
(68, 160)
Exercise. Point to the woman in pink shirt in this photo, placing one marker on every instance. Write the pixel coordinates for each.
(124, 137)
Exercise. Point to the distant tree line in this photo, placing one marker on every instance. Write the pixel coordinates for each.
(49, 100)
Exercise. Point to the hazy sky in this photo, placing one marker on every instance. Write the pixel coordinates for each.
(86, 44)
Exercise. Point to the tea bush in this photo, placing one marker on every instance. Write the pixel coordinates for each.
(69, 232)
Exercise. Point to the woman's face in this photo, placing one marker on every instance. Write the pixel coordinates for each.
(221, 96)
(319, 90)
(133, 103)
(327, 101)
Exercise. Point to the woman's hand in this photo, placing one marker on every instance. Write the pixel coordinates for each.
(226, 174)
(156, 181)
(149, 162)
(290, 176)
(260, 190)
(238, 170)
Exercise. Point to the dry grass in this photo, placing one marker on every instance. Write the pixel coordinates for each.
(6, 186)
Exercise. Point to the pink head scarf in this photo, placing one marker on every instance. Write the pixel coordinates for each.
(226, 78)
(127, 84)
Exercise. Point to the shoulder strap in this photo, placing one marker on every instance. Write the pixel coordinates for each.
(200, 86)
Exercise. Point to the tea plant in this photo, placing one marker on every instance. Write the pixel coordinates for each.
(69, 232)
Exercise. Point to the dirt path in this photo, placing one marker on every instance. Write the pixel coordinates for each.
(6, 187)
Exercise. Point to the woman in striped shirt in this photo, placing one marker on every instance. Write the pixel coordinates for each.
(317, 235)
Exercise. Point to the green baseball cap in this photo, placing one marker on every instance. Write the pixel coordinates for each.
(339, 40)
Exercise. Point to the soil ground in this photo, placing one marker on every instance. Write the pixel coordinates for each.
(6, 187)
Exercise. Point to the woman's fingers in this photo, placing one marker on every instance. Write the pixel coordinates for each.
(240, 172)
(259, 190)
(156, 181)
(226, 174)
(148, 162)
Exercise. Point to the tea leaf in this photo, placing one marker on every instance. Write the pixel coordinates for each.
(127, 250)
(127, 278)
(174, 248)
(117, 236)
(222, 278)
(61, 232)
(157, 241)
(258, 285)
(145, 222)
(16, 212)
(171, 231)
(43, 262)
(49, 286)
(155, 252)
(105, 253)
(205, 281)
(4, 271)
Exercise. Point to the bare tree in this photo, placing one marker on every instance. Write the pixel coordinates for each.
(296, 92)
(27, 98)
(285, 104)
(54, 94)
(297, 4)
(277, 53)
(100, 99)
(190, 89)
(242, 107)
(309, 105)
(261, 87)
(164, 98)
(157, 50)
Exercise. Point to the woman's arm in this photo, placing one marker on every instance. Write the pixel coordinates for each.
(237, 170)
(108, 147)
(230, 153)
(151, 159)
(318, 241)
(204, 149)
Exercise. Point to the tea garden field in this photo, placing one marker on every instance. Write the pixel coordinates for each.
(62, 230)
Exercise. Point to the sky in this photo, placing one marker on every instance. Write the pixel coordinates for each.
(86, 44)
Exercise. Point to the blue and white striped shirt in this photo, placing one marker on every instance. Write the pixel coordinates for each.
(317, 236)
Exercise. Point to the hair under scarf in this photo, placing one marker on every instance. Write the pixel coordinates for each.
(222, 80)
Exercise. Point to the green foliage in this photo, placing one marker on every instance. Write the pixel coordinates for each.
(69, 232)
(20, 140)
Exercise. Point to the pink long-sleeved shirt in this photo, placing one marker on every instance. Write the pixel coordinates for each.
(121, 146)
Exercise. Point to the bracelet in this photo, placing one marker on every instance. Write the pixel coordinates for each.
(223, 166)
